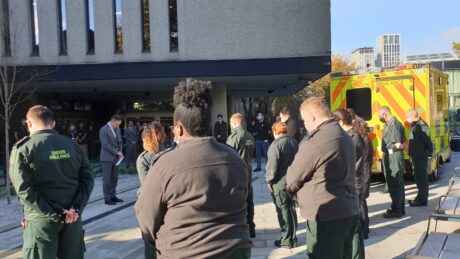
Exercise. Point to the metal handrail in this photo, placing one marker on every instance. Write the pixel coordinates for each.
(436, 217)
(438, 209)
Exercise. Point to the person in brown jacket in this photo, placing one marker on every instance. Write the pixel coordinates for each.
(192, 203)
(322, 179)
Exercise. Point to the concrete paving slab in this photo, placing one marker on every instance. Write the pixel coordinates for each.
(118, 236)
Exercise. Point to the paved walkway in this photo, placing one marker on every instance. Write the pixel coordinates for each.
(117, 236)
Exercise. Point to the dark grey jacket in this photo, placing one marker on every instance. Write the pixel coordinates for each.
(280, 156)
(293, 129)
(359, 166)
(322, 175)
(110, 145)
(420, 144)
(193, 201)
(368, 154)
(131, 136)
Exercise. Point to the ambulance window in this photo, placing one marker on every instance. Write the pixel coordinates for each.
(360, 101)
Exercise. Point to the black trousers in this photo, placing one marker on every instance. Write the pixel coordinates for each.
(109, 179)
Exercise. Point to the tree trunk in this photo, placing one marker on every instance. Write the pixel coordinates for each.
(7, 156)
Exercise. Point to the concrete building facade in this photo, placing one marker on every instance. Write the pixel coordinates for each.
(363, 57)
(103, 56)
(388, 50)
(260, 47)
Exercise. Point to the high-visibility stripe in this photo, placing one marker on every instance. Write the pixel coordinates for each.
(420, 86)
(343, 104)
(339, 88)
(405, 94)
(397, 110)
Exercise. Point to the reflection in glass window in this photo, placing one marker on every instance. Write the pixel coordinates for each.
(145, 14)
(173, 28)
(90, 26)
(6, 28)
(34, 27)
(117, 26)
(62, 28)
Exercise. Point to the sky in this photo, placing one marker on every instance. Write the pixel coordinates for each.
(425, 26)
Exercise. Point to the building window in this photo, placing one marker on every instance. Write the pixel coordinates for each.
(6, 28)
(34, 27)
(90, 26)
(145, 14)
(173, 28)
(62, 28)
(117, 26)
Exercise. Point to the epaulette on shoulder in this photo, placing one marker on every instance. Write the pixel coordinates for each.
(21, 142)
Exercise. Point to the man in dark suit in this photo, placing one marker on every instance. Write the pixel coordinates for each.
(131, 138)
(221, 129)
(111, 153)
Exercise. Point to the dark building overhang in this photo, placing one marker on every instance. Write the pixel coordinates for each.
(156, 80)
(446, 65)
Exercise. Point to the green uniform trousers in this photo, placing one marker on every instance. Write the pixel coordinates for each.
(358, 237)
(240, 253)
(53, 240)
(393, 166)
(364, 217)
(421, 178)
(331, 239)
(287, 217)
(150, 250)
(250, 205)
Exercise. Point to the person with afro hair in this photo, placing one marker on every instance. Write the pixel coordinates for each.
(192, 203)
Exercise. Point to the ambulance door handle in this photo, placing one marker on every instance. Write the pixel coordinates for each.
(411, 88)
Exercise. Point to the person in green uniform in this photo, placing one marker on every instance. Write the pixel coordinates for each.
(280, 154)
(152, 139)
(420, 148)
(53, 180)
(243, 142)
(393, 138)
